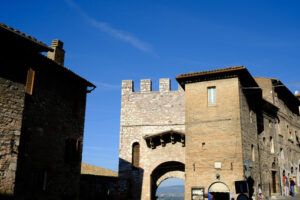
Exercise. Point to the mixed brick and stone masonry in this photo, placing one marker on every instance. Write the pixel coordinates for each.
(42, 112)
(219, 127)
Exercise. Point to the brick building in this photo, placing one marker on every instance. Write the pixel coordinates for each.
(219, 127)
(42, 111)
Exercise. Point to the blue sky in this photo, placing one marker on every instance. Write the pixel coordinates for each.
(108, 41)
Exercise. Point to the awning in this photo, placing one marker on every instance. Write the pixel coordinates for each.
(219, 187)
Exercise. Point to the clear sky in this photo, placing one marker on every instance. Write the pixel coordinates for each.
(107, 41)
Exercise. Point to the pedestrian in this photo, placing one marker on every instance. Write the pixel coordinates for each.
(292, 185)
(294, 175)
(286, 186)
(261, 197)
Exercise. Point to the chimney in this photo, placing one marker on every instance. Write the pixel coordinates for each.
(58, 54)
(297, 94)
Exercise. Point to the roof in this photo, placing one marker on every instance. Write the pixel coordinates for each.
(194, 74)
(164, 133)
(94, 170)
(67, 70)
(28, 40)
(228, 72)
(25, 36)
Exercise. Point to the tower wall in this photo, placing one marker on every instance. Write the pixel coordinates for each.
(148, 112)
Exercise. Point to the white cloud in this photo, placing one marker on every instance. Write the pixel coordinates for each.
(118, 34)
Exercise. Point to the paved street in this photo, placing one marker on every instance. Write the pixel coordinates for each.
(297, 197)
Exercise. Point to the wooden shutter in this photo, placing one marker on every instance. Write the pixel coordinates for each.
(29, 81)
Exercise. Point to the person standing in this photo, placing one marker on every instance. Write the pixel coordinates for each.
(292, 184)
(286, 186)
(261, 197)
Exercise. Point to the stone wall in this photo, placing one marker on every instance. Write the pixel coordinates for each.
(146, 113)
(283, 128)
(250, 109)
(52, 127)
(213, 135)
(94, 187)
(11, 111)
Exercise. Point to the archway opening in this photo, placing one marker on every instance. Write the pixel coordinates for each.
(219, 191)
(171, 188)
(164, 171)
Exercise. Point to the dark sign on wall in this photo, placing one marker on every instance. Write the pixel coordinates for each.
(241, 187)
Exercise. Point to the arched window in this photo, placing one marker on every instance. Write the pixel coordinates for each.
(136, 154)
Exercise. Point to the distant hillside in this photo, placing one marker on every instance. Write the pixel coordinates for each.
(174, 192)
(94, 170)
(174, 189)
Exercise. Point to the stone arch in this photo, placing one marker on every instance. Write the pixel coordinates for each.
(172, 174)
(219, 190)
(163, 171)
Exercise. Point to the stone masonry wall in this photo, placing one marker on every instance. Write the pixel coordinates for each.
(213, 134)
(53, 115)
(283, 129)
(11, 111)
(146, 113)
(249, 99)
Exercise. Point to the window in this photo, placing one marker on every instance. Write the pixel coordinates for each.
(278, 127)
(29, 81)
(253, 152)
(251, 116)
(271, 145)
(281, 153)
(211, 94)
(72, 150)
(38, 179)
(136, 155)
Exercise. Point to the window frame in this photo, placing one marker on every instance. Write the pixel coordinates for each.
(211, 95)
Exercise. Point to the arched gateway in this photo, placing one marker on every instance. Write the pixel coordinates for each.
(171, 169)
(152, 138)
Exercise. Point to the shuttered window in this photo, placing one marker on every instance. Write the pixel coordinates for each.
(136, 155)
(29, 81)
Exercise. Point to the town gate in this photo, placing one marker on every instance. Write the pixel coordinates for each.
(152, 138)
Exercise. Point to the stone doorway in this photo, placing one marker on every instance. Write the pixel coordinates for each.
(170, 169)
(274, 182)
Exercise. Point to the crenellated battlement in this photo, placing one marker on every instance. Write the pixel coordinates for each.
(146, 86)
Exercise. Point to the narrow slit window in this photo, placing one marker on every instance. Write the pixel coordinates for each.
(253, 152)
(272, 145)
(29, 81)
(211, 94)
(136, 155)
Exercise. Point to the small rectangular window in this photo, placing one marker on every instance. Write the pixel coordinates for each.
(211, 94)
(29, 81)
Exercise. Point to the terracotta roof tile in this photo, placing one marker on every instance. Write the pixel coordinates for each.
(193, 74)
(23, 35)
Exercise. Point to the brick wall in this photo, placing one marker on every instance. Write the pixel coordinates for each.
(213, 134)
